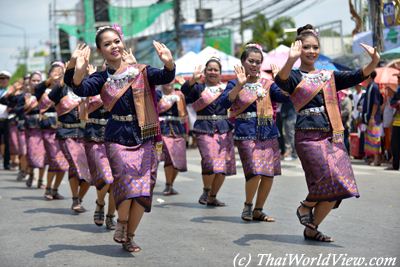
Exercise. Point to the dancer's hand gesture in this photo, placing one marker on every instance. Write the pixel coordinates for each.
(91, 69)
(295, 50)
(77, 52)
(241, 75)
(82, 60)
(198, 73)
(275, 69)
(180, 80)
(372, 52)
(128, 57)
(164, 54)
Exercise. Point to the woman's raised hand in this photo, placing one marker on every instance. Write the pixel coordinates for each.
(241, 75)
(295, 50)
(275, 70)
(128, 57)
(164, 54)
(372, 52)
(91, 69)
(82, 60)
(198, 73)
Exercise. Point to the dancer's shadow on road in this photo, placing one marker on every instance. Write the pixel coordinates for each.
(41, 198)
(63, 211)
(114, 251)
(289, 239)
(180, 204)
(207, 219)
(88, 228)
(23, 187)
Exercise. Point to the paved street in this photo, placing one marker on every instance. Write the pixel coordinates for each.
(180, 232)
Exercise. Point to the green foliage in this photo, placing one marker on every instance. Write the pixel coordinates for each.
(19, 73)
(270, 36)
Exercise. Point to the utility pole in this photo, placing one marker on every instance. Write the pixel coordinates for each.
(177, 24)
(376, 23)
(241, 20)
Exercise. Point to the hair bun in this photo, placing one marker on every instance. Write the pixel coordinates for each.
(307, 27)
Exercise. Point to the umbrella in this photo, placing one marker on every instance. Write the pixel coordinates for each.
(386, 77)
(391, 54)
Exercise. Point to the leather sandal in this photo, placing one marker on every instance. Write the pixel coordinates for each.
(246, 213)
(120, 234)
(318, 236)
(47, 194)
(306, 219)
(56, 195)
(130, 245)
(110, 223)
(98, 216)
(259, 215)
(203, 198)
(213, 201)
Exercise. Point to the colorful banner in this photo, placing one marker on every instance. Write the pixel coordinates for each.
(391, 39)
(220, 39)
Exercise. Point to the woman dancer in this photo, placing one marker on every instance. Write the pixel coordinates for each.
(70, 130)
(99, 164)
(212, 128)
(35, 146)
(58, 165)
(250, 100)
(128, 93)
(172, 109)
(319, 129)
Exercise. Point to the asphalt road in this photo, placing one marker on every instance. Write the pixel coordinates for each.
(180, 232)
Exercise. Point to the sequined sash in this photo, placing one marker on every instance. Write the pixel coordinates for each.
(246, 97)
(164, 105)
(93, 103)
(66, 104)
(30, 103)
(206, 98)
(45, 103)
(307, 89)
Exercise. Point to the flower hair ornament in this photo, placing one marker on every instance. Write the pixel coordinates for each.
(115, 27)
(215, 58)
(314, 32)
(259, 47)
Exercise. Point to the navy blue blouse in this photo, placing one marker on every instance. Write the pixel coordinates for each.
(27, 119)
(121, 132)
(48, 122)
(71, 117)
(248, 129)
(170, 127)
(192, 93)
(320, 121)
(93, 131)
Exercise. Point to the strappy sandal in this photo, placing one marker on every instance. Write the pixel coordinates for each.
(29, 181)
(56, 195)
(203, 198)
(47, 194)
(263, 217)
(167, 190)
(98, 216)
(76, 205)
(246, 213)
(320, 237)
(120, 234)
(213, 201)
(40, 184)
(110, 223)
(130, 245)
(306, 219)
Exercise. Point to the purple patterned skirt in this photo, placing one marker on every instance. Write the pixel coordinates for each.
(135, 172)
(217, 153)
(99, 165)
(22, 150)
(36, 151)
(174, 152)
(259, 157)
(14, 147)
(55, 157)
(74, 152)
(326, 165)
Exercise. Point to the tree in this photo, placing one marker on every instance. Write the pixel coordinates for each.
(270, 36)
(19, 73)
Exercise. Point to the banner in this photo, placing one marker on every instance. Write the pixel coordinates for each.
(220, 39)
(391, 39)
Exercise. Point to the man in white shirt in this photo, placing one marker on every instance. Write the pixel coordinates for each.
(355, 115)
(4, 141)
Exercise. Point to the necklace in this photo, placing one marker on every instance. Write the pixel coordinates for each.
(215, 89)
(122, 79)
(316, 78)
(256, 88)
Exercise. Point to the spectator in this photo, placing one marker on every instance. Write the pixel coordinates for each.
(5, 151)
